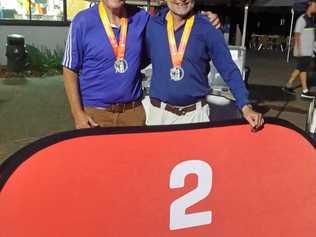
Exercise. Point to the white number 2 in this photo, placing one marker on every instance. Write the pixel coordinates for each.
(178, 218)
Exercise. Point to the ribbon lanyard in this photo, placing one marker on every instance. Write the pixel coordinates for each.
(177, 54)
(119, 50)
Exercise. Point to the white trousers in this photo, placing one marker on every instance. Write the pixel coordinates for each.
(159, 116)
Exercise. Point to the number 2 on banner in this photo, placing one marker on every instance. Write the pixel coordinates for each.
(178, 218)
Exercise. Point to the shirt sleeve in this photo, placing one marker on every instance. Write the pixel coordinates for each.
(74, 50)
(300, 25)
(222, 60)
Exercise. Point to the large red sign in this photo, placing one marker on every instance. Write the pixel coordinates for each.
(151, 182)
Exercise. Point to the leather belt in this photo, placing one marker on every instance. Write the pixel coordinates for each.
(178, 110)
(121, 107)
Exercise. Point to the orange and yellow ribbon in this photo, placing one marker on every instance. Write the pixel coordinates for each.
(118, 49)
(178, 54)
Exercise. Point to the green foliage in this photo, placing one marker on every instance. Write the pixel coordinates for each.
(44, 60)
(20, 2)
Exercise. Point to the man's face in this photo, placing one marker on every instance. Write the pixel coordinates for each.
(114, 3)
(313, 7)
(181, 7)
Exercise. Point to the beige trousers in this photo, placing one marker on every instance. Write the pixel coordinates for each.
(130, 117)
(159, 116)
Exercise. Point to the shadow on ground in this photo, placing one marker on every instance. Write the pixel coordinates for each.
(268, 98)
(260, 93)
(279, 108)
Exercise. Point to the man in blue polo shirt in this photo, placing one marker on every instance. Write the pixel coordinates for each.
(187, 42)
(102, 65)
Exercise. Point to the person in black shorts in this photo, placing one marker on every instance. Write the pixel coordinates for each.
(304, 38)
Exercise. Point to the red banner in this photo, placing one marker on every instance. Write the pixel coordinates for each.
(203, 181)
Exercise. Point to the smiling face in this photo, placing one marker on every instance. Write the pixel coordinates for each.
(181, 7)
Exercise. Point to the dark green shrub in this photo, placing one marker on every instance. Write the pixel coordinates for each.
(44, 60)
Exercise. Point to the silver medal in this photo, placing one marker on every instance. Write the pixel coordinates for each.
(120, 65)
(176, 73)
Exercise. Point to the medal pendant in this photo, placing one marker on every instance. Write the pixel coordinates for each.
(176, 73)
(120, 66)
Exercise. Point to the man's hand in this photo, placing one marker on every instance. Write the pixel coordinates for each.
(214, 19)
(254, 119)
(82, 120)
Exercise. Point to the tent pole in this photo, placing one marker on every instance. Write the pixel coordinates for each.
(243, 42)
(290, 37)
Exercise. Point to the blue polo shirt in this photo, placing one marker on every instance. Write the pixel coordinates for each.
(89, 52)
(206, 43)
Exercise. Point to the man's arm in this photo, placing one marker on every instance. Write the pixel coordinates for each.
(297, 43)
(81, 119)
(72, 63)
(219, 53)
(299, 28)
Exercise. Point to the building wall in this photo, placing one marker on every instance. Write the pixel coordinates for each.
(40, 36)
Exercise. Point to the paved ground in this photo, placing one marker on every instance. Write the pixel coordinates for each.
(30, 109)
(36, 107)
(269, 72)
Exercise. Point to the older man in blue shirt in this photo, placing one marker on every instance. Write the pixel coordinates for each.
(100, 94)
(180, 44)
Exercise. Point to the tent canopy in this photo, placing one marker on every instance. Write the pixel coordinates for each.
(272, 4)
(297, 5)
(214, 2)
(277, 3)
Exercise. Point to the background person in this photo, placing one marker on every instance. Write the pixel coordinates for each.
(304, 38)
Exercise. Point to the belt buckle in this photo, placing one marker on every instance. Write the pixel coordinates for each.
(181, 111)
(113, 108)
(116, 108)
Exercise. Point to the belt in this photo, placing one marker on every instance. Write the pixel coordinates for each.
(122, 107)
(183, 110)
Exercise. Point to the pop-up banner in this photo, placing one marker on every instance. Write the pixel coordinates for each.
(180, 181)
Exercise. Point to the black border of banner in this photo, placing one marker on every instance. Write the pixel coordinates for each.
(8, 167)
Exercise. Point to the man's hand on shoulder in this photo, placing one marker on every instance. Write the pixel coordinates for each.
(254, 118)
(213, 17)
